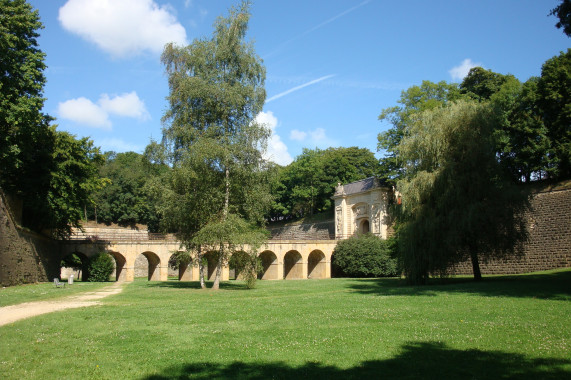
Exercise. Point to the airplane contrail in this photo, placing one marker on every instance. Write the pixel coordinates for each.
(299, 87)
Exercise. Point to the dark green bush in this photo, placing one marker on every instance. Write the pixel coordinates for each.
(364, 255)
(100, 267)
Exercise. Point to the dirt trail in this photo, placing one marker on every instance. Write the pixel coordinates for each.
(13, 313)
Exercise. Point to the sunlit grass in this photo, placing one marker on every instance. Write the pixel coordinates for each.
(510, 327)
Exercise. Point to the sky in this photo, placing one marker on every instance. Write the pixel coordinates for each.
(332, 66)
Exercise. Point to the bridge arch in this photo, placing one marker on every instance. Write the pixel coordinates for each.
(269, 266)
(316, 264)
(235, 265)
(150, 261)
(211, 260)
(120, 260)
(77, 265)
(293, 265)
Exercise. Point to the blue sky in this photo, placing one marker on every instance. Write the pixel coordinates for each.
(332, 65)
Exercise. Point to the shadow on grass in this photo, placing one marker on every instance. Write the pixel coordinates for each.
(422, 360)
(554, 286)
(225, 285)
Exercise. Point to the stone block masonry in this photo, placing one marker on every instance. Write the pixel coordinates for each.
(549, 245)
(25, 257)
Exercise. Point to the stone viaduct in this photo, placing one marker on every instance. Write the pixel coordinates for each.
(298, 253)
(284, 259)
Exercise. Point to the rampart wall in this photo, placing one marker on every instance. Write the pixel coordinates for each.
(549, 245)
(25, 257)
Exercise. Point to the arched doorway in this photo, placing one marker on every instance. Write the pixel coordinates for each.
(364, 226)
(292, 265)
(316, 265)
(269, 266)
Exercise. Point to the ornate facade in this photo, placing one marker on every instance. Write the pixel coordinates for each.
(361, 207)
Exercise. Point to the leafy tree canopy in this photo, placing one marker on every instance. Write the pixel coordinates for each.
(307, 184)
(416, 99)
(458, 202)
(563, 13)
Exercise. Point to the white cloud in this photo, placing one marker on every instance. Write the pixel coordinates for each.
(277, 150)
(123, 28)
(84, 111)
(460, 71)
(297, 135)
(314, 138)
(127, 104)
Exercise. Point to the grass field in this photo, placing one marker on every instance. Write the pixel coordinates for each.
(45, 291)
(514, 327)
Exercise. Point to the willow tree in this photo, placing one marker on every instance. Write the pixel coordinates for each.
(214, 144)
(458, 201)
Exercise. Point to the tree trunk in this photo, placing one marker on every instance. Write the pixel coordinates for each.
(221, 253)
(216, 284)
(201, 270)
(476, 266)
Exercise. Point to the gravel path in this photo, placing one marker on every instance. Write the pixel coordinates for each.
(13, 313)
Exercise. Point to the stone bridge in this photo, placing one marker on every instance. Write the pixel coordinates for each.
(281, 259)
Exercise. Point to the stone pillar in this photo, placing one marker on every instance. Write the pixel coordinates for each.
(280, 269)
(163, 272)
(327, 268)
(195, 273)
(225, 273)
(185, 273)
(303, 269)
(128, 273)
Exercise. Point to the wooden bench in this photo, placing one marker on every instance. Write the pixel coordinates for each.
(59, 284)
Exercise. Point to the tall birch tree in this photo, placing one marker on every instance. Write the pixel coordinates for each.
(213, 142)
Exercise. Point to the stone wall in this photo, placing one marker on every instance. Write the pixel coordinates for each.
(310, 231)
(549, 246)
(25, 257)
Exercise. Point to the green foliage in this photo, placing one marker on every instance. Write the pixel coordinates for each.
(554, 100)
(246, 265)
(458, 202)
(125, 200)
(74, 178)
(306, 186)
(23, 128)
(364, 255)
(480, 84)
(180, 258)
(563, 13)
(72, 261)
(100, 267)
(413, 101)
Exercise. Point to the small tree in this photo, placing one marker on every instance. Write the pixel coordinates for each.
(364, 255)
(100, 267)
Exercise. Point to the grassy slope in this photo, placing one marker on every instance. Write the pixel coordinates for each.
(511, 327)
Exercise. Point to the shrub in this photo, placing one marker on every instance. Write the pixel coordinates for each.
(100, 267)
(180, 258)
(364, 255)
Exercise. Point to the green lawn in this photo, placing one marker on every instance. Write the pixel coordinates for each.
(513, 327)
